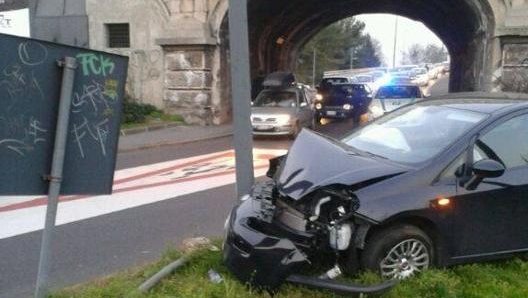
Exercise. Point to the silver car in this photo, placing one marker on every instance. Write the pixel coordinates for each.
(282, 111)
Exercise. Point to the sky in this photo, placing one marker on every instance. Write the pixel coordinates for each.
(15, 22)
(381, 27)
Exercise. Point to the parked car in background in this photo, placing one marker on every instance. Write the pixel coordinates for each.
(421, 80)
(283, 107)
(337, 80)
(393, 96)
(363, 78)
(440, 182)
(418, 71)
(341, 101)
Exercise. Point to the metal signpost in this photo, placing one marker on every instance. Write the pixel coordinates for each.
(69, 65)
(240, 89)
(60, 125)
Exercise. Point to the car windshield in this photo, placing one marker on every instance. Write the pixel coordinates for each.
(398, 92)
(414, 134)
(336, 80)
(272, 98)
(350, 89)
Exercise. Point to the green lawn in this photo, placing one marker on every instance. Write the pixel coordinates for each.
(499, 279)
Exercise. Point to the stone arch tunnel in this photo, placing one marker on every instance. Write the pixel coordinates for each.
(487, 41)
(464, 26)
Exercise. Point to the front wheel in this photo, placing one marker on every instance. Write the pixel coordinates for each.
(398, 252)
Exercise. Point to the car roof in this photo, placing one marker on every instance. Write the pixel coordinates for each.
(484, 102)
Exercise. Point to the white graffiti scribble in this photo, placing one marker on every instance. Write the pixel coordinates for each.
(23, 135)
(93, 96)
(85, 132)
(18, 83)
(32, 53)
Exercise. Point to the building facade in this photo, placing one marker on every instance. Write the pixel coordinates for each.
(179, 54)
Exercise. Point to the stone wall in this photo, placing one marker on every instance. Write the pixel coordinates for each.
(188, 82)
(513, 75)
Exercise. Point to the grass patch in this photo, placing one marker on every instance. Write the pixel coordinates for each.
(501, 279)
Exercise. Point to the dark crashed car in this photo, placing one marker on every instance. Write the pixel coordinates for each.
(440, 182)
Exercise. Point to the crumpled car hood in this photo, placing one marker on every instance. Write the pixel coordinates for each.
(315, 161)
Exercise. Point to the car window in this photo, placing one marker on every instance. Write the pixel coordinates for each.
(460, 160)
(350, 90)
(303, 97)
(334, 81)
(508, 142)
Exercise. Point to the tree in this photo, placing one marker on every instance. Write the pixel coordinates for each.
(414, 54)
(338, 46)
(417, 53)
(368, 54)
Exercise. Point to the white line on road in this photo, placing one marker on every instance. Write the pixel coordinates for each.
(132, 188)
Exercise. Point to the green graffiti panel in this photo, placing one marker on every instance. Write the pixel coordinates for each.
(30, 84)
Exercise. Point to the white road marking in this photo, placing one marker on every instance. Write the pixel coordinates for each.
(132, 187)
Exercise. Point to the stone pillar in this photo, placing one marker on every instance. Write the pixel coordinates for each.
(514, 75)
(188, 82)
(188, 57)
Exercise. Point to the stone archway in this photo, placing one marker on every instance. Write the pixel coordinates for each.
(476, 33)
(466, 27)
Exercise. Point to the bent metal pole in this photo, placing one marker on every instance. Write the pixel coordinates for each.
(69, 65)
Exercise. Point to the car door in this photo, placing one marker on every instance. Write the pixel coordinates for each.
(493, 218)
(305, 112)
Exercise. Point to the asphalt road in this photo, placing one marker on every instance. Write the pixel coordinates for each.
(105, 244)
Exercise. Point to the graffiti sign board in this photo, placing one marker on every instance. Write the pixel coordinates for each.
(30, 84)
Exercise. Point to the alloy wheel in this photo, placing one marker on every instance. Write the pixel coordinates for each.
(405, 259)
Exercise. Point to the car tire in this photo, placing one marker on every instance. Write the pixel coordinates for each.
(398, 252)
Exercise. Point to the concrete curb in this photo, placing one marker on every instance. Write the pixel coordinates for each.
(147, 128)
(174, 142)
(167, 134)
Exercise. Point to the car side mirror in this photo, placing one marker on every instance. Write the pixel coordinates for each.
(485, 168)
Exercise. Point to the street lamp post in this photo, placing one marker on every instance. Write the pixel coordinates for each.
(395, 39)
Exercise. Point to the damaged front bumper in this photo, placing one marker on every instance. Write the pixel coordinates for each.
(264, 254)
(254, 256)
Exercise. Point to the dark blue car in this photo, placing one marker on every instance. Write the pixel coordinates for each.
(440, 182)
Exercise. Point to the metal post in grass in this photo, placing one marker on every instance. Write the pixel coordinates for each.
(240, 90)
